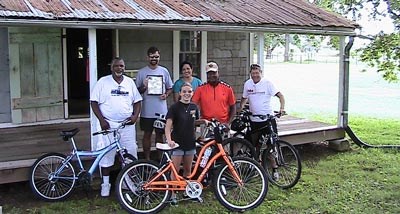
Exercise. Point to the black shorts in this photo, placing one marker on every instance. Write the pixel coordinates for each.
(258, 125)
(146, 124)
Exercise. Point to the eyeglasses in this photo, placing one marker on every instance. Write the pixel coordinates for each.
(154, 57)
(184, 91)
(255, 66)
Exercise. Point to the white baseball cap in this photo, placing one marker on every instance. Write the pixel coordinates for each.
(212, 66)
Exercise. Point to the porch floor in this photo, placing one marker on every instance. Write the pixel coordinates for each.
(21, 146)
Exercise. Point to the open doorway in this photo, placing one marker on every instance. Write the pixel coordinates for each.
(77, 67)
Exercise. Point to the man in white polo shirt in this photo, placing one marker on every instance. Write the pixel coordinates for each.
(115, 98)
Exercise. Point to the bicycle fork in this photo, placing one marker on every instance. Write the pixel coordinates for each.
(233, 170)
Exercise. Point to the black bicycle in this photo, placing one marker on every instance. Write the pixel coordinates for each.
(233, 146)
(279, 158)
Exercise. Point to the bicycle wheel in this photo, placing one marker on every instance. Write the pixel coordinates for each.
(241, 197)
(51, 179)
(128, 158)
(286, 162)
(240, 147)
(129, 189)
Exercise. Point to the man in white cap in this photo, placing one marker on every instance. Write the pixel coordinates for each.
(259, 91)
(215, 98)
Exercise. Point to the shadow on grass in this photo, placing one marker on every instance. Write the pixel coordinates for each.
(311, 154)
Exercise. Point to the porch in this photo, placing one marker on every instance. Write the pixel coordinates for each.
(21, 146)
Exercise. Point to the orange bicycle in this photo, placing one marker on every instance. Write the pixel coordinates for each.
(239, 183)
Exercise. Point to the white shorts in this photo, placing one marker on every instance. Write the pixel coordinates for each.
(128, 140)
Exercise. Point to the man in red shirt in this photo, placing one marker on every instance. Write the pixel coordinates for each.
(215, 98)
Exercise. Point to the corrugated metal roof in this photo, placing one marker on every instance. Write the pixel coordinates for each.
(255, 13)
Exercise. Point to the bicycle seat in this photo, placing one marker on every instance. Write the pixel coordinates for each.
(165, 146)
(203, 141)
(69, 133)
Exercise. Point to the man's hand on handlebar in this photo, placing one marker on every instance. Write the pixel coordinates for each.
(104, 125)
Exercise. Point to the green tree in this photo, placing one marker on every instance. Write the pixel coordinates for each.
(271, 41)
(383, 53)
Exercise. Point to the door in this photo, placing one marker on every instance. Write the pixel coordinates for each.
(35, 74)
(77, 67)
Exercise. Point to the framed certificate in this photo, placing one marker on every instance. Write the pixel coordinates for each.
(155, 85)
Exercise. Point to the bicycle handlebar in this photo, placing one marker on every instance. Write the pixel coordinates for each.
(121, 126)
(246, 112)
(214, 123)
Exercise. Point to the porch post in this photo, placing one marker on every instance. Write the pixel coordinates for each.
(93, 77)
(203, 57)
(65, 72)
(175, 54)
(116, 43)
(251, 48)
(260, 50)
(343, 85)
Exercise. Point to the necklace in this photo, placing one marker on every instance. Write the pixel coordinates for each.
(187, 107)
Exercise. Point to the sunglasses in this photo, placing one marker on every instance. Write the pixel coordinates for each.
(154, 57)
(255, 66)
(184, 91)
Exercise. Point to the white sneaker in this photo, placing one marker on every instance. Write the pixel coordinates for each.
(105, 190)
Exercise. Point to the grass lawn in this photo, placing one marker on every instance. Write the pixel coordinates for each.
(356, 181)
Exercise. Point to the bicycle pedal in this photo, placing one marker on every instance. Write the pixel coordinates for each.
(197, 200)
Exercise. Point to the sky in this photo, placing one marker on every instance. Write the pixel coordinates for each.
(372, 27)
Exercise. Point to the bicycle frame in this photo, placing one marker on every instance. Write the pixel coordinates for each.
(247, 132)
(99, 154)
(180, 183)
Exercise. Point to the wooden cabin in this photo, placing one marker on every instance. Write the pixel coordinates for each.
(53, 52)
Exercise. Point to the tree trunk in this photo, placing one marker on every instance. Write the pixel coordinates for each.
(286, 54)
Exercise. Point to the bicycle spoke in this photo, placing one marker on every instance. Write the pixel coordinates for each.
(250, 193)
(288, 165)
(136, 199)
(48, 185)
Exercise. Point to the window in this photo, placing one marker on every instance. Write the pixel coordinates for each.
(190, 50)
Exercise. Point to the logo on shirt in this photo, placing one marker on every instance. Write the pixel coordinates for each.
(254, 92)
(193, 113)
(119, 92)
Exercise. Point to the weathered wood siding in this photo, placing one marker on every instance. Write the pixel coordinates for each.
(35, 74)
(135, 43)
(30, 142)
(5, 112)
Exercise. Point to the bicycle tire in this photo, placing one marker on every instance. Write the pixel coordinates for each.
(239, 147)
(130, 194)
(48, 186)
(288, 162)
(236, 197)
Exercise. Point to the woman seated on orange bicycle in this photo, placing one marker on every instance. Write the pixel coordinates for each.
(182, 117)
